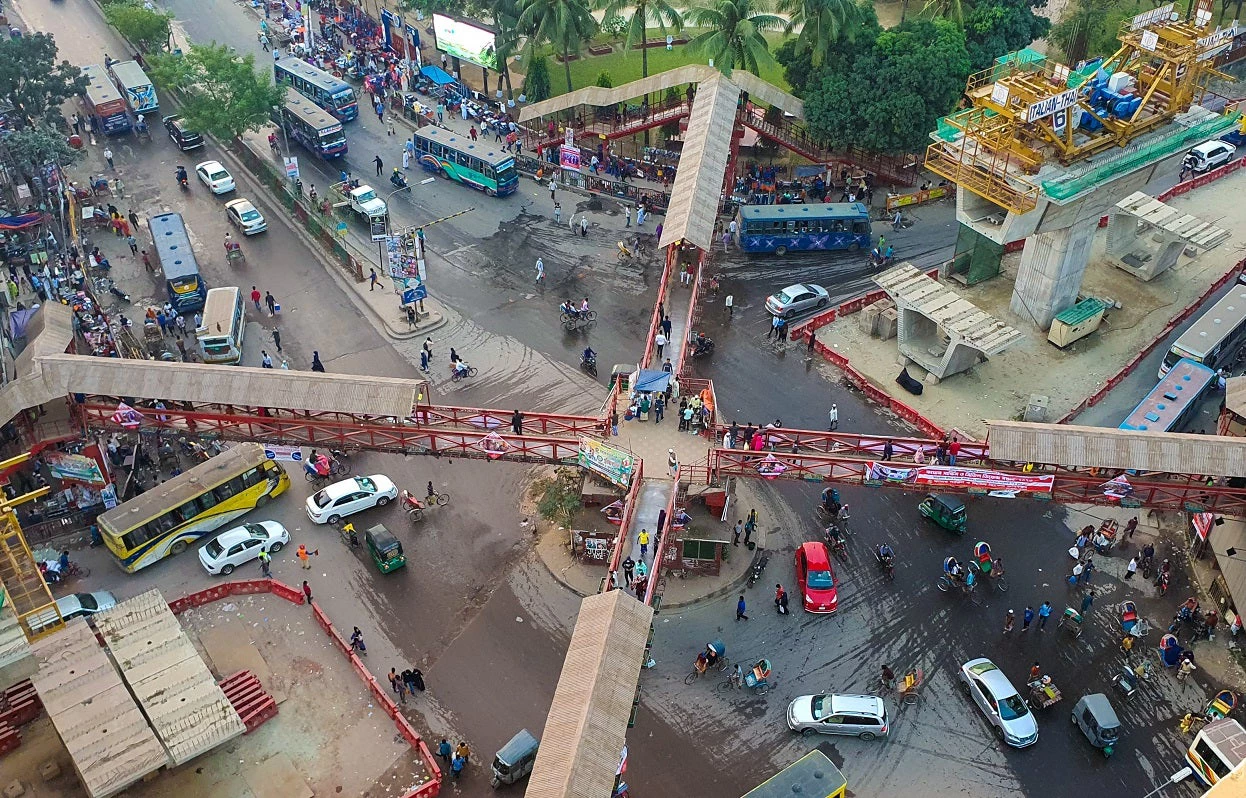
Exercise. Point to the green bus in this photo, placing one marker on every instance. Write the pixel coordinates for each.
(473, 163)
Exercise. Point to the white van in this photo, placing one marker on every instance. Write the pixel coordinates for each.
(1211, 154)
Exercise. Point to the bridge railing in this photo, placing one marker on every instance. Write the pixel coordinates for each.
(625, 524)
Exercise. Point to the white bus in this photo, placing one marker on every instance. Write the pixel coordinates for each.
(220, 337)
(1216, 337)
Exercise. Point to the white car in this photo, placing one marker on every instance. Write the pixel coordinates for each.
(350, 496)
(797, 299)
(241, 545)
(243, 215)
(75, 605)
(1000, 702)
(216, 177)
(863, 716)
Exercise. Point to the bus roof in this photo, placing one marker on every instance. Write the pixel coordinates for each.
(306, 110)
(478, 149)
(182, 488)
(177, 258)
(816, 210)
(220, 306)
(130, 74)
(100, 88)
(1215, 323)
(814, 775)
(1229, 738)
(1182, 385)
(297, 66)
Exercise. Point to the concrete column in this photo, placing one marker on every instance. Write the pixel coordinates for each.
(1050, 275)
(1122, 233)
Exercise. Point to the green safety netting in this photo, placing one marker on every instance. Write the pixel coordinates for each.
(948, 128)
(1071, 185)
(1021, 59)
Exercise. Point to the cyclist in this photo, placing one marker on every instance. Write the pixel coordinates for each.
(567, 308)
(584, 307)
(461, 368)
(432, 494)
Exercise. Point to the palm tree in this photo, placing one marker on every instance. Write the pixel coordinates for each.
(948, 9)
(640, 16)
(734, 39)
(822, 23)
(505, 15)
(565, 24)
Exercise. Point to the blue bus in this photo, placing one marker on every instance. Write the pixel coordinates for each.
(103, 102)
(803, 228)
(186, 288)
(312, 126)
(332, 94)
(1171, 403)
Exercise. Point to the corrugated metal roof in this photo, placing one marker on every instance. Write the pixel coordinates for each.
(702, 164)
(189, 712)
(1102, 447)
(95, 716)
(1235, 395)
(587, 724)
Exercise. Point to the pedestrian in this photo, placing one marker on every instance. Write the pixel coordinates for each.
(423, 361)
(660, 341)
(553, 188)
(774, 328)
(267, 361)
(255, 298)
(730, 303)
(395, 682)
(833, 415)
(1131, 527)
(1008, 621)
(783, 330)
(373, 279)
(517, 423)
(1027, 617)
(307, 591)
(456, 767)
(444, 750)
(668, 366)
(1132, 568)
(417, 681)
(1044, 612)
(584, 226)
(316, 364)
(740, 608)
(1185, 669)
(147, 262)
(953, 449)
(1036, 672)
(472, 132)
(643, 540)
(304, 557)
(557, 213)
(888, 450)
(614, 423)
(441, 107)
(739, 530)
(108, 157)
(540, 270)
(271, 301)
(265, 565)
(897, 221)
(463, 751)
(133, 242)
(1127, 646)
(659, 409)
(627, 216)
(380, 165)
(277, 339)
(666, 326)
(1076, 577)
(428, 347)
(672, 462)
(628, 565)
(76, 122)
(1087, 600)
(750, 525)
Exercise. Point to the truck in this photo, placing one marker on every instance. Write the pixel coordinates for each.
(362, 199)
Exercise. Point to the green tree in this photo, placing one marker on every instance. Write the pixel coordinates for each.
(639, 16)
(734, 39)
(223, 93)
(559, 497)
(604, 81)
(996, 27)
(31, 80)
(1088, 28)
(948, 9)
(822, 24)
(147, 29)
(563, 24)
(505, 15)
(36, 145)
(536, 83)
(797, 60)
(922, 65)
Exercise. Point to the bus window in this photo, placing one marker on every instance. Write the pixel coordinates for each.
(252, 477)
(861, 228)
(207, 500)
(838, 226)
(1211, 758)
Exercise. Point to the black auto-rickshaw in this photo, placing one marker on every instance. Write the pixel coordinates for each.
(1094, 715)
(385, 549)
(514, 761)
(946, 511)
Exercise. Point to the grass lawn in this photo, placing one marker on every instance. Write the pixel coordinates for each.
(624, 67)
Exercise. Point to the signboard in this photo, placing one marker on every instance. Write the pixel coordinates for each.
(1050, 105)
(999, 95)
(466, 41)
(1161, 14)
(996, 483)
(592, 545)
(614, 464)
(377, 225)
(291, 454)
(1213, 44)
(76, 467)
(1203, 523)
(292, 167)
(1149, 41)
(569, 157)
(402, 265)
(410, 295)
(109, 496)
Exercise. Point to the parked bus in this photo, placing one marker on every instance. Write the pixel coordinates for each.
(312, 126)
(171, 516)
(103, 102)
(135, 87)
(332, 94)
(1218, 748)
(186, 288)
(814, 775)
(1213, 340)
(805, 227)
(220, 336)
(1171, 403)
(474, 163)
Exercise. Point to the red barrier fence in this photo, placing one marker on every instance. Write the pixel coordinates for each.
(249, 586)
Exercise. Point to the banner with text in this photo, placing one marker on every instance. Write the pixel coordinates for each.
(996, 483)
(614, 464)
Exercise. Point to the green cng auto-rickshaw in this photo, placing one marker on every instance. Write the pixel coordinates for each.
(385, 549)
(515, 760)
(946, 511)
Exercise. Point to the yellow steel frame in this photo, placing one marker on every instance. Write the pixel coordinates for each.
(19, 572)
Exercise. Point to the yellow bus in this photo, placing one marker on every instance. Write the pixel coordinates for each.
(814, 775)
(169, 517)
(220, 335)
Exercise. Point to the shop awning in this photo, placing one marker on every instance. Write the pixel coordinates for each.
(437, 75)
(652, 380)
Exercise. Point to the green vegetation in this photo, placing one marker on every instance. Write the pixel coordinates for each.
(223, 93)
(733, 37)
(822, 24)
(565, 25)
(536, 83)
(995, 27)
(1089, 28)
(147, 29)
(638, 19)
(559, 497)
(39, 144)
(31, 80)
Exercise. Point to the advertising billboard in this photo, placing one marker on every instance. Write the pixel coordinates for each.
(465, 41)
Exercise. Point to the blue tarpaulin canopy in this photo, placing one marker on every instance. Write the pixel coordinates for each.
(437, 75)
(650, 380)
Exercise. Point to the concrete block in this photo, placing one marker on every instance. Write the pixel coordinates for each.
(1036, 409)
(49, 770)
(14, 789)
(868, 319)
(887, 324)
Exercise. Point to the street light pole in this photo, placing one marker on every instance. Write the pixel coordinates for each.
(1179, 776)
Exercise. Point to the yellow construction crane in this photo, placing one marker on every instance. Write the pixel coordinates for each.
(1026, 110)
(24, 586)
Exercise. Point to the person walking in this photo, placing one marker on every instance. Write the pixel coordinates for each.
(627, 216)
(133, 242)
(666, 326)
(730, 303)
(76, 121)
(271, 302)
(739, 530)
(1009, 619)
(373, 279)
(266, 565)
(463, 751)
(672, 462)
(517, 423)
(540, 269)
(255, 299)
(266, 361)
(1132, 568)
(889, 450)
(444, 750)
(307, 591)
(1044, 612)
(740, 608)
(584, 226)
(1090, 569)
(395, 682)
(428, 347)
(833, 415)
(456, 767)
(643, 540)
(1036, 672)
(1087, 600)
(774, 328)
(660, 342)
(423, 361)
(380, 165)
(417, 681)
(277, 339)
(553, 189)
(1027, 617)
(108, 157)
(557, 213)
(897, 221)
(316, 364)
(628, 565)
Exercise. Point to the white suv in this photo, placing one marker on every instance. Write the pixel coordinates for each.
(863, 716)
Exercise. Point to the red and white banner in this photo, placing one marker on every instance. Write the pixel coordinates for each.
(1203, 522)
(996, 483)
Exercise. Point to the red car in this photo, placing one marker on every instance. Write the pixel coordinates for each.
(816, 578)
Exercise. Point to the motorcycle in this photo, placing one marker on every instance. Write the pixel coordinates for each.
(1148, 566)
(398, 180)
(702, 346)
(182, 180)
(886, 562)
(758, 567)
(589, 365)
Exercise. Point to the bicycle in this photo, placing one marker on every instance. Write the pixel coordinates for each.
(720, 666)
(458, 374)
(733, 682)
(439, 499)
